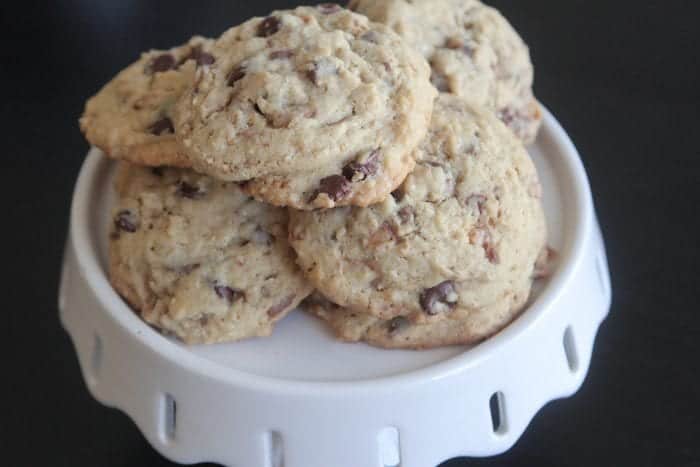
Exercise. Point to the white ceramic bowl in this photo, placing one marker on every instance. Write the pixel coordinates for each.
(302, 399)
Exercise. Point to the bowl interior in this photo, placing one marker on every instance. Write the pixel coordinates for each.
(301, 348)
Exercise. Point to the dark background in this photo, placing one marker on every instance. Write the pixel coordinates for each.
(623, 77)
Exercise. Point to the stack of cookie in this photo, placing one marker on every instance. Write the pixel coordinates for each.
(381, 165)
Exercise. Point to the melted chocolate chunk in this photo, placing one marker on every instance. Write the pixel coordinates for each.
(161, 127)
(477, 200)
(312, 75)
(227, 293)
(358, 171)
(187, 190)
(163, 62)
(126, 221)
(281, 54)
(280, 307)
(336, 187)
(397, 324)
(440, 81)
(490, 252)
(441, 297)
(405, 214)
(201, 57)
(188, 268)
(268, 26)
(507, 115)
(236, 74)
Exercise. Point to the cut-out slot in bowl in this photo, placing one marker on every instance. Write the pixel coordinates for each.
(96, 356)
(497, 409)
(168, 418)
(570, 350)
(274, 449)
(389, 448)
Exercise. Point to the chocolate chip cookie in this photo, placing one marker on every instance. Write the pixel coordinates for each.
(473, 52)
(401, 333)
(130, 118)
(460, 235)
(200, 259)
(314, 107)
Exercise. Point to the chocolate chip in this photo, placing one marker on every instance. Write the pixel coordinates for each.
(336, 187)
(457, 44)
(440, 81)
(157, 171)
(405, 214)
(280, 54)
(202, 58)
(227, 293)
(441, 297)
(258, 110)
(268, 26)
(162, 62)
(397, 324)
(477, 200)
(188, 268)
(312, 76)
(126, 220)
(280, 307)
(507, 115)
(385, 233)
(162, 126)
(328, 8)
(358, 171)
(187, 190)
(199, 56)
(453, 43)
(236, 74)
(398, 194)
(490, 252)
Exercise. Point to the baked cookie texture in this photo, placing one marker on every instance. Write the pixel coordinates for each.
(200, 259)
(457, 241)
(130, 117)
(401, 333)
(473, 52)
(314, 107)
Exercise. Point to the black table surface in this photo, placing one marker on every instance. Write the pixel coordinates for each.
(622, 77)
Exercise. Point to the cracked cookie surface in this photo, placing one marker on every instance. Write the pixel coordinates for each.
(200, 259)
(473, 52)
(130, 118)
(461, 234)
(314, 107)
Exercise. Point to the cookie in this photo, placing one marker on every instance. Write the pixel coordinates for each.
(462, 233)
(200, 259)
(130, 117)
(473, 52)
(314, 107)
(401, 333)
